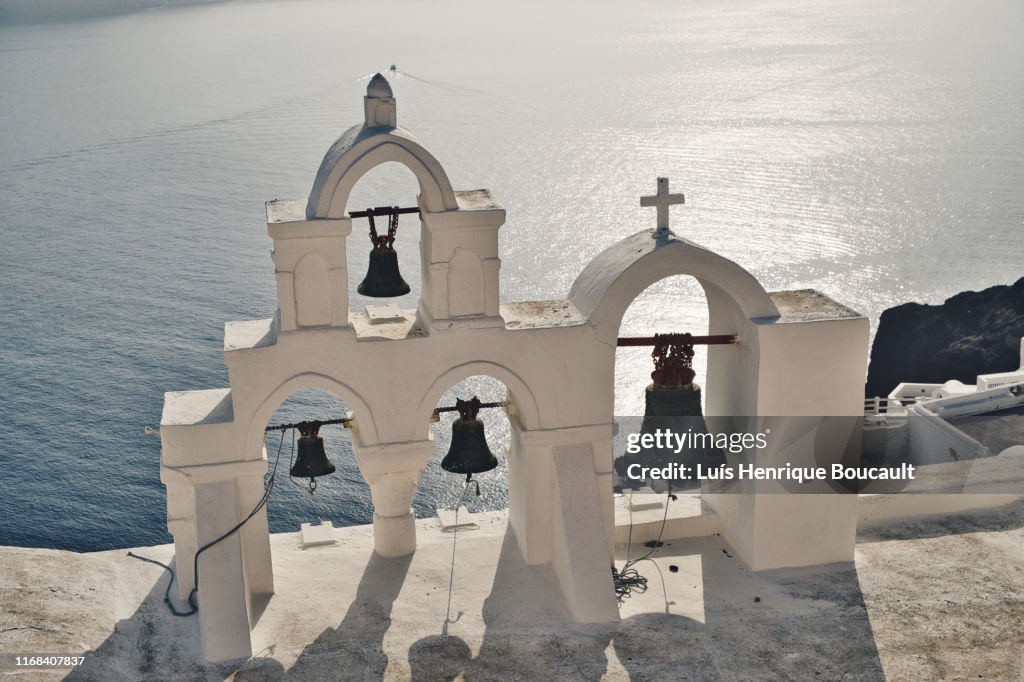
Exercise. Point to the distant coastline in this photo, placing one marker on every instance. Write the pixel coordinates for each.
(49, 11)
(972, 333)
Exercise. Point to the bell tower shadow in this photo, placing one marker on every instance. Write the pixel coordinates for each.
(357, 644)
(524, 635)
(804, 623)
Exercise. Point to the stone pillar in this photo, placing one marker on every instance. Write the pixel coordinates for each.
(580, 555)
(223, 603)
(810, 379)
(605, 479)
(529, 494)
(204, 502)
(181, 522)
(532, 494)
(310, 267)
(393, 472)
(461, 270)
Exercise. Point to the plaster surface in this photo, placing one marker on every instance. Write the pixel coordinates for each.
(808, 305)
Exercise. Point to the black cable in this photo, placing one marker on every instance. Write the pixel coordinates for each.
(629, 581)
(657, 543)
(193, 606)
(167, 592)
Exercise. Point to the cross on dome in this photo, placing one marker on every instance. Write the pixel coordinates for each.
(662, 200)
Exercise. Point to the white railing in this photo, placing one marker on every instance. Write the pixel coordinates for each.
(884, 406)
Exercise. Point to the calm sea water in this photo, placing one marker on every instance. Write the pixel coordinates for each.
(872, 150)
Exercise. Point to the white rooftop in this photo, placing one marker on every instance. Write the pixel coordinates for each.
(925, 599)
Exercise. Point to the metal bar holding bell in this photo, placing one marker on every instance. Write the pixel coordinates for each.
(453, 408)
(306, 424)
(383, 210)
(662, 339)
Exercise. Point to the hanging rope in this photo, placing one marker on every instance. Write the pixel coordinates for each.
(193, 604)
(455, 538)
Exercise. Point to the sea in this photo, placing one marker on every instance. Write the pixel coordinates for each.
(871, 149)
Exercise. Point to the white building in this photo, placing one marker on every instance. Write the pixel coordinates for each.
(797, 353)
(916, 418)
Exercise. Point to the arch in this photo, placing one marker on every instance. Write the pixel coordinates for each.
(610, 283)
(361, 149)
(263, 413)
(519, 393)
(647, 314)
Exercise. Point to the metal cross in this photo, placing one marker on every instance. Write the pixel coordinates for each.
(662, 200)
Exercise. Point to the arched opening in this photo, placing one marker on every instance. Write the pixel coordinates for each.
(342, 497)
(388, 184)
(440, 489)
(672, 305)
(675, 304)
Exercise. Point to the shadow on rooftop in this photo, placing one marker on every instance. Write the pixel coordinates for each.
(151, 644)
(797, 624)
(782, 624)
(355, 649)
(804, 624)
(527, 636)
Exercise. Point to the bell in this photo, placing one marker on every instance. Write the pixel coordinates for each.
(468, 453)
(312, 458)
(383, 280)
(672, 401)
(672, 407)
(675, 409)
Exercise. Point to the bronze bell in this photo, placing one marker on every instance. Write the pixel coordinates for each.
(383, 279)
(468, 453)
(312, 458)
(672, 403)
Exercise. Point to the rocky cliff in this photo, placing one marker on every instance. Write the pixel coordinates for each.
(972, 333)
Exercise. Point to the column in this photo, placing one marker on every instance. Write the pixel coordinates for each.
(223, 607)
(393, 471)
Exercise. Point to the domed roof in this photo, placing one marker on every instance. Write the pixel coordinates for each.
(379, 87)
